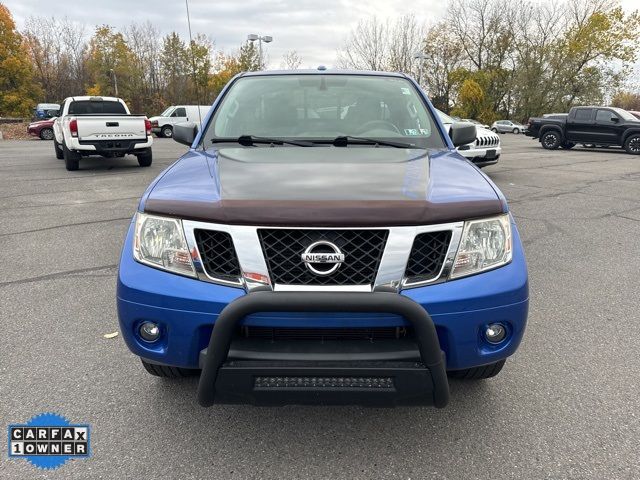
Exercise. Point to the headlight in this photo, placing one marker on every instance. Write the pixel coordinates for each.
(485, 244)
(160, 242)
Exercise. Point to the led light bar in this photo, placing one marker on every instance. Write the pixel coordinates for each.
(324, 382)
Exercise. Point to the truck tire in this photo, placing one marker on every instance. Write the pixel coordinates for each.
(167, 131)
(46, 134)
(145, 159)
(516, 131)
(58, 149)
(71, 159)
(632, 144)
(478, 373)
(551, 140)
(568, 145)
(166, 371)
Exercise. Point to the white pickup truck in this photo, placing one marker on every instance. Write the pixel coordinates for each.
(100, 126)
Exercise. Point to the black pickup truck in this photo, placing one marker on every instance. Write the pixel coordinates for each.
(601, 126)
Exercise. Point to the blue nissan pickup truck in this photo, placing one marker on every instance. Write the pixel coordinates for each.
(322, 242)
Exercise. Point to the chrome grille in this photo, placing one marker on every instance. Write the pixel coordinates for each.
(488, 141)
(283, 249)
(427, 256)
(218, 255)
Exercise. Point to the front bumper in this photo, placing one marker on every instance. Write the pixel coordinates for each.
(186, 310)
(482, 157)
(333, 380)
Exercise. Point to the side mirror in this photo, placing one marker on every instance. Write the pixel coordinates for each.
(462, 133)
(185, 132)
(615, 119)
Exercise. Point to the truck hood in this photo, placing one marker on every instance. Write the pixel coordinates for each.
(323, 187)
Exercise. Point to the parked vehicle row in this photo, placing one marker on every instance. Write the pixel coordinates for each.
(507, 126)
(485, 150)
(593, 126)
(44, 111)
(476, 123)
(162, 125)
(100, 126)
(42, 129)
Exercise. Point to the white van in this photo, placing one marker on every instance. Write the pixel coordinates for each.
(162, 125)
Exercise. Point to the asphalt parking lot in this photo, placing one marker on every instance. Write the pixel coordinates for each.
(567, 405)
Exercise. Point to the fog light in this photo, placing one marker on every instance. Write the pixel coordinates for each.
(495, 333)
(149, 331)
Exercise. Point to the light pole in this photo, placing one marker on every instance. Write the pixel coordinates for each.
(421, 57)
(252, 37)
(115, 81)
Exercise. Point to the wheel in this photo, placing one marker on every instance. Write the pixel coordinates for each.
(494, 130)
(46, 134)
(550, 140)
(145, 159)
(516, 131)
(167, 131)
(58, 149)
(71, 159)
(632, 144)
(168, 372)
(478, 373)
(568, 145)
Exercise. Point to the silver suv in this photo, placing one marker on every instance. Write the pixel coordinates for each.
(507, 126)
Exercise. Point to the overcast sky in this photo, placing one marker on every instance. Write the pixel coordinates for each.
(314, 28)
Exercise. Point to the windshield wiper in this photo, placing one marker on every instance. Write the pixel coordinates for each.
(345, 140)
(250, 140)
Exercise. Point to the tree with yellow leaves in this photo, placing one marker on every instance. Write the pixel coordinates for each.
(19, 92)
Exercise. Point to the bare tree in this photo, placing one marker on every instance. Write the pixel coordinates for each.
(145, 43)
(291, 60)
(442, 56)
(58, 52)
(405, 40)
(377, 45)
(74, 39)
(367, 46)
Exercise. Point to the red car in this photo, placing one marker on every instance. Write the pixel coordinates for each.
(42, 129)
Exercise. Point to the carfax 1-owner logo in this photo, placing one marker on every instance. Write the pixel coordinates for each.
(48, 440)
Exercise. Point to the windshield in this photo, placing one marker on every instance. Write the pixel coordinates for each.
(47, 106)
(320, 107)
(166, 113)
(625, 115)
(444, 118)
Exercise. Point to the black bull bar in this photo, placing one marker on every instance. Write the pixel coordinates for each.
(431, 371)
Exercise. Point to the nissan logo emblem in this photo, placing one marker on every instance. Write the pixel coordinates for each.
(322, 257)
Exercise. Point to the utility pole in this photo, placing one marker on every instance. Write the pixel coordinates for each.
(115, 81)
(252, 37)
(421, 57)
